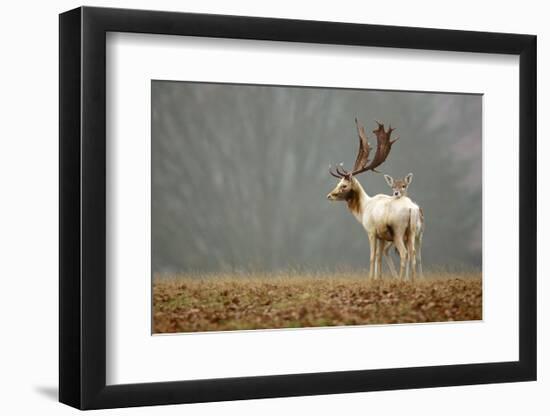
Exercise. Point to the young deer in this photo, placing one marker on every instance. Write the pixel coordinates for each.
(383, 217)
(399, 190)
(399, 186)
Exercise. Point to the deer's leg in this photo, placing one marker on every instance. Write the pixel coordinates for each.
(389, 260)
(411, 251)
(407, 262)
(376, 251)
(419, 254)
(400, 245)
(376, 256)
(379, 251)
(372, 242)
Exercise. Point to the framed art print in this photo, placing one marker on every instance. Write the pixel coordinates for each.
(255, 207)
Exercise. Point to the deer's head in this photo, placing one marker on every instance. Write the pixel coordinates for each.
(348, 184)
(399, 186)
(344, 190)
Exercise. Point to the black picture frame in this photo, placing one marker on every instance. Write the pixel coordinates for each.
(82, 277)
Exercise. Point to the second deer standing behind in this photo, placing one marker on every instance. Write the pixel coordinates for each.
(399, 190)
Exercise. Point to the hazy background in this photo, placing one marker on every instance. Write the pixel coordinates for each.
(239, 175)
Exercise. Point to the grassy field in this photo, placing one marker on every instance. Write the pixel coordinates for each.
(185, 303)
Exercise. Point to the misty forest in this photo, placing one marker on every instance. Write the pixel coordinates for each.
(240, 175)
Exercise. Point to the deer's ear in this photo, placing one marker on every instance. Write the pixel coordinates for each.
(409, 178)
(389, 180)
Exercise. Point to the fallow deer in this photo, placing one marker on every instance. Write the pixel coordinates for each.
(399, 190)
(383, 217)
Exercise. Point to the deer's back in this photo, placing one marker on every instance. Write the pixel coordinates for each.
(386, 212)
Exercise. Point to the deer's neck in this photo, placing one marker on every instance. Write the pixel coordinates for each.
(357, 200)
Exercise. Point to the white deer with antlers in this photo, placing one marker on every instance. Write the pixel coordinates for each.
(385, 218)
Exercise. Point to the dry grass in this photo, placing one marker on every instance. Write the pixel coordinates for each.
(224, 302)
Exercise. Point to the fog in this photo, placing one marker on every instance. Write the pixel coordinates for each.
(240, 175)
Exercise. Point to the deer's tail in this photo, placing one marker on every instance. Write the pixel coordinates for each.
(413, 222)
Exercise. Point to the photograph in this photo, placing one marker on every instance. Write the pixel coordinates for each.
(278, 206)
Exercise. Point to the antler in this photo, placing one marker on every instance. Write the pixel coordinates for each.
(364, 147)
(340, 171)
(383, 148)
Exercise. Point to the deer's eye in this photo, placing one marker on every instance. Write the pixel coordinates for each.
(403, 187)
